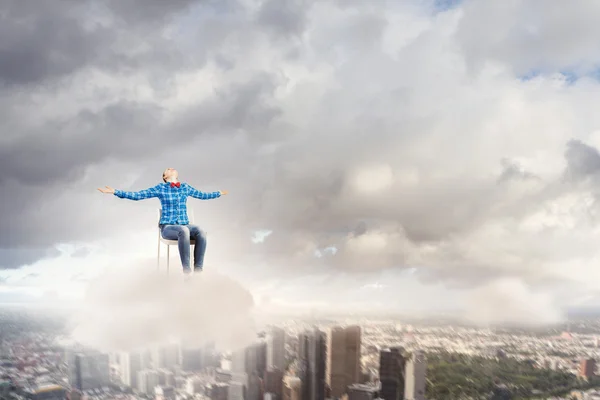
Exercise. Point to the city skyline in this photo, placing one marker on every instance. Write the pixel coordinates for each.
(36, 360)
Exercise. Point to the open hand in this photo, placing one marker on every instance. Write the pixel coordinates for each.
(223, 192)
(108, 190)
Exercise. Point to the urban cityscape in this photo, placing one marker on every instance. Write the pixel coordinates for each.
(359, 359)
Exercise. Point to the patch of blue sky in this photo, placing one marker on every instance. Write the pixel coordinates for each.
(186, 24)
(445, 5)
(570, 75)
(327, 251)
(594, 74)
(529, 75)
(260, 235)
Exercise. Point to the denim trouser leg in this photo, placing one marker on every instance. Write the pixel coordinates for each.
(181, 233)
(200, 247)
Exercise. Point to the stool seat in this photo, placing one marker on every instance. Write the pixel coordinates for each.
(169, 242)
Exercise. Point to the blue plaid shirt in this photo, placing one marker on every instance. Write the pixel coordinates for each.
(172, 199)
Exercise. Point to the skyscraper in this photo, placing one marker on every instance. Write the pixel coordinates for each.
(416, 369)
(88, 369)
(312, 355)
(166, 356)
(191, 359)
(239, 378)
(237, 387)
(248, 367)
(276, 349)
(391, 373)
(343, 358)
(131, 364)
(147, 380)
(273, 383)
(353, 353)
(292, 388)
(166, 377)
(254, 389)
(256, 359)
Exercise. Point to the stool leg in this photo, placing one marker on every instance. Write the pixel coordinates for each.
(168, 258)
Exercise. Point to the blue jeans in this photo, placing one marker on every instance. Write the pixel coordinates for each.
(183, 234)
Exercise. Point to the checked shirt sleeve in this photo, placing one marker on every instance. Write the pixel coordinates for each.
(195, 193)
(141, 195)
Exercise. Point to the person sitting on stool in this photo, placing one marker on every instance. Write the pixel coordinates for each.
(174, 223)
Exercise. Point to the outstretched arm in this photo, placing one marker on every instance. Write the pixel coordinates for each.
(195, 193)
(141, 195)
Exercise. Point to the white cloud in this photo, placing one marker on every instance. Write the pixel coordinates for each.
(511, 301)
(373, 179)
(136, 306)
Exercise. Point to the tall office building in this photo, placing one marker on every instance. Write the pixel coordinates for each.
(248, 367)
(211, 356)
(276, 349)
(292, 388)
(343, 359)
(255, 365)
(312, 357)
(191, 359)
(273, 383)
(88, 369)
(256, 359)
(416, 370)
(166, 377)
(166, 356)
(239, 378)
(391, 373)
(302, 369)
(131, 364)
(147, 381)
(254, 389)
(237, 387)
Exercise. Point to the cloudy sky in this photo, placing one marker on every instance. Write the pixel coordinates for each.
(403, 155)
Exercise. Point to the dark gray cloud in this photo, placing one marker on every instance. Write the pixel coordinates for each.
(40, 41)
(62, 149)
(153, 11)
(284, 17)
(531, 36)
(17, 257)
(56, 38)
(512, 170)
(583, 161)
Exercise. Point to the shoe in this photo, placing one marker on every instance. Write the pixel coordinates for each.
(187, 275)
(198, 269)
